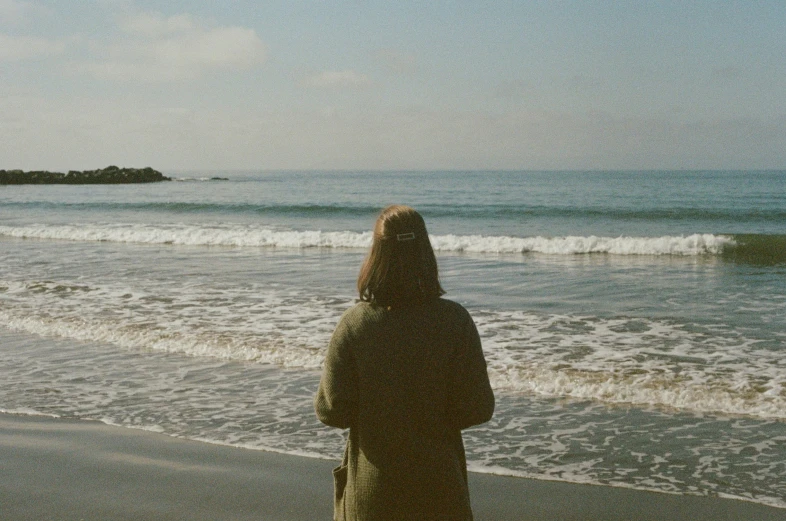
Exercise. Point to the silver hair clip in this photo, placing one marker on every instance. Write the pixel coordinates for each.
(401, 237)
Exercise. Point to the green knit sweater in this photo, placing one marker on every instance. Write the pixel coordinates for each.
(405, 382)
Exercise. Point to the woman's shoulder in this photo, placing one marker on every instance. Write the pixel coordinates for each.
(451, 307)
(366, 312)
(362, 312)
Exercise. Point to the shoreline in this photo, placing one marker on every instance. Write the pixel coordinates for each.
(55, 468)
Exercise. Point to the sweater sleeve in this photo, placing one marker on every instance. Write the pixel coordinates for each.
(472, 400)
(336, 400)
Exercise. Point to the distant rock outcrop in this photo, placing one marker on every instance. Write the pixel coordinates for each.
(108, 175)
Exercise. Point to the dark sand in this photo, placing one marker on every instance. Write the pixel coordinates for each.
(55, 469)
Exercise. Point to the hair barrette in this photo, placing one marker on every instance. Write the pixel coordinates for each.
(401, 237)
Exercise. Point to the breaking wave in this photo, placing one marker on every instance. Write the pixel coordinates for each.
(236, 235)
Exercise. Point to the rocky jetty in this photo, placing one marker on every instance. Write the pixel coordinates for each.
(108, 175)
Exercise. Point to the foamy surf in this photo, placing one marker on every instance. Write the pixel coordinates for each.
(633, 361)
(235, 235)
(607, 360)
(695, 244)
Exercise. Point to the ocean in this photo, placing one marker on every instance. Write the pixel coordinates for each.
(634, 323)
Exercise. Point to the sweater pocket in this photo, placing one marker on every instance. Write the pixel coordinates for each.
(340, 475)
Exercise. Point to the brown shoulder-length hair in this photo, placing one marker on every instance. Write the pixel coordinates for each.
(400, 268)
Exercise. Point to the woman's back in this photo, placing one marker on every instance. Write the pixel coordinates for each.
(405, 373)
(408, 380)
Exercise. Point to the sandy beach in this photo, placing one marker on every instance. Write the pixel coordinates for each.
(57, 469)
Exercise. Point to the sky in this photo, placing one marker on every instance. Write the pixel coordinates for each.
(371, 85)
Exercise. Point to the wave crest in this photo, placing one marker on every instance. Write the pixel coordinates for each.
(255, 236)
(696, 244)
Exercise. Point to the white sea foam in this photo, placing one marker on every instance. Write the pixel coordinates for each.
(696, 244)
(585, 478)
(255, 236)
(191, 235)
(26, 411)
(633, 361)
(262, 325)
(610, 360)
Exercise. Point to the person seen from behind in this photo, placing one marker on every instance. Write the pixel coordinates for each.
(405, 373)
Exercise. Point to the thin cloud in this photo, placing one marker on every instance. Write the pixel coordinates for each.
(397, 62)
(20, 48)
(158, 48)
(155, 24)
(512, 89)
(16, 10)
(341, 79)
(726, 73)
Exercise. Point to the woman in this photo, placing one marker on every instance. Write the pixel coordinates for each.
(405, 373)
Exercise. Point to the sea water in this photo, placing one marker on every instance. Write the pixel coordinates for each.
(634, 323)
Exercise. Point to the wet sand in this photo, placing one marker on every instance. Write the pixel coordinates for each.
(57, 469)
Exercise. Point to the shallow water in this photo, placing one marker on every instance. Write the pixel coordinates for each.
(633, 322)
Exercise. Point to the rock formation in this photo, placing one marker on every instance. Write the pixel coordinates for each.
(108, 175)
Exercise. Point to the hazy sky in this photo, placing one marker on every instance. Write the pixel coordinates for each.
(189, 85)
